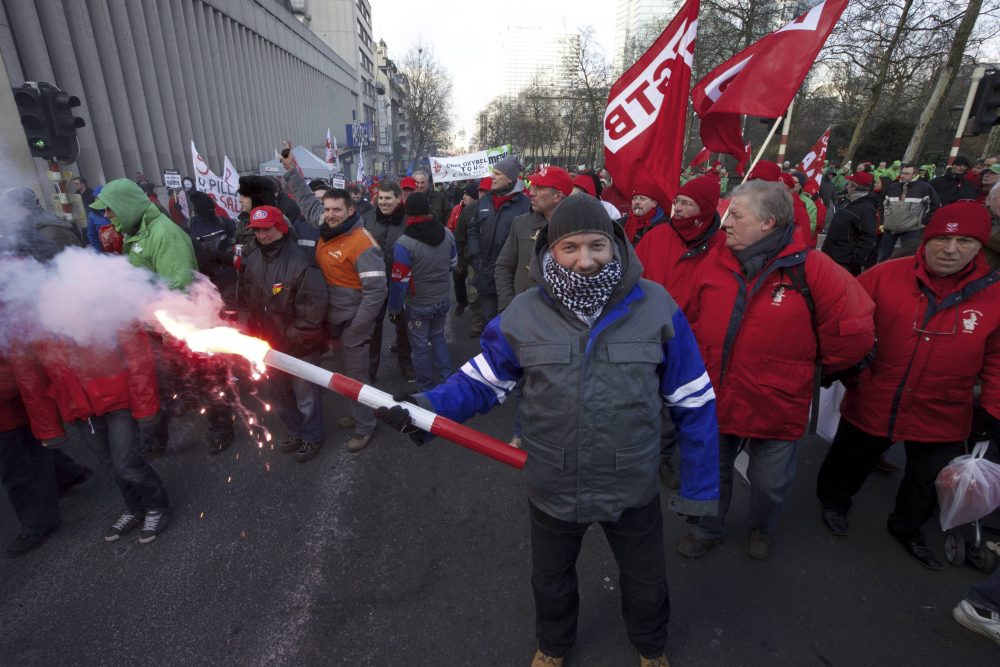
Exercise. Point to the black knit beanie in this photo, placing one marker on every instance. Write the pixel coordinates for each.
(417, 204)
(579, 214)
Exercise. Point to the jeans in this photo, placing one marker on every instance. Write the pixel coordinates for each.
(636, 540)
(426, 324)
(987, 593)
(888, 243)
(299, 403)
(375, 349)
(770, 472)
(110, 437)
(356, 359)
(28, 473)
(850, 459)
(491, 307)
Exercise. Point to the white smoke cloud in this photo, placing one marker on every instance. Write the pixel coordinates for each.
(89, 297)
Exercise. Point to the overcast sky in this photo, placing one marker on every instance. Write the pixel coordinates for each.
(455, 31)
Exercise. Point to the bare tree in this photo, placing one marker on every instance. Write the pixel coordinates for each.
(428, 101)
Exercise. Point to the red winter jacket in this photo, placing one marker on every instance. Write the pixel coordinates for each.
(12, 414)
(762, 365)
(66, 382)
(802, 221)
(669, 261)
(920, 385)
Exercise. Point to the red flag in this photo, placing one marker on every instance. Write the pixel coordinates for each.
(812, 163)
(762, 79)
(644, 120)
(702, 156)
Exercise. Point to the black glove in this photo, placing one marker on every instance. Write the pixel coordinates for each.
(984, 425)
(394, 317)
(398, 418)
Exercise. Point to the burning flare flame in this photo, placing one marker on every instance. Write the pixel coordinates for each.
(217, 340)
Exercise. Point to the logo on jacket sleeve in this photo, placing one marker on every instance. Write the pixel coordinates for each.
(276, 288)
(970, 320)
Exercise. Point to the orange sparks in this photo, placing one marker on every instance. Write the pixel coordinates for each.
(202, 411)
(267, 466)
(224, 340)
(201, 515)
(229, 479)
(267, 407)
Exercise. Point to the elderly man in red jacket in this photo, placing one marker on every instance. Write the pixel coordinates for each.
(766, 311)
(938, 329)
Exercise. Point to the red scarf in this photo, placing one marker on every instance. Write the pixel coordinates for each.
(694, 228)
(499, 201)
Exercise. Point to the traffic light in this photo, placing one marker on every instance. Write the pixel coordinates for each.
(986, 107)
(48, 120)
(32, 107)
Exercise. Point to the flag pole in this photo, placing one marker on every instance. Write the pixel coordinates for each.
(760, 154)
(785, 129)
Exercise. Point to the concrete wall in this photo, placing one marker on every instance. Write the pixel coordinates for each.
(236, 76)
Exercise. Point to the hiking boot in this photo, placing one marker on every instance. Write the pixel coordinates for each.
(358, 442)
(977, 619)
(921, 552)
(693, 546)
(347, 422)
(658, 661)
(545, 660)
(76, 481)
(154, 524)
(515, 442)
(307, 451)
(757, 544)
(835, 522)
(125, 524)
(668, 475)
(24, 543)
(291, 444)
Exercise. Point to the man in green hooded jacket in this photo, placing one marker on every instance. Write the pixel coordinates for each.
(152, 240)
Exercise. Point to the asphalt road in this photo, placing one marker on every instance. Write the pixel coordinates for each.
(420, 556)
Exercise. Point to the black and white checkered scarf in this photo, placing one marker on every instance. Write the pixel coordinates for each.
(581, 294)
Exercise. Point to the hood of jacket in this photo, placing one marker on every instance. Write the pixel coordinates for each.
(128, 202)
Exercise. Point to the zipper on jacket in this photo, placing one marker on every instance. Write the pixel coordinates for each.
(92, 431)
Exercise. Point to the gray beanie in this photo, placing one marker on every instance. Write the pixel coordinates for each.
(579, 214)
(509, 167)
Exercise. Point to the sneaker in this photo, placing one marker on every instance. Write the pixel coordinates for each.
(658, 661)
(76, 481)
(24, 543)
(347, 422)
(545, 660)
(125, 524)
(291, 444)
(358, 442)
(154, 524)
(515, 442)
(693, 546)
(983, 621)
(757, 544)
(668, 475)
(835, 522)
(307, 451)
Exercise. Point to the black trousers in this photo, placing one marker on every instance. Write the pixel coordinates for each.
(850, 459)
(402, 343)
(636, 540)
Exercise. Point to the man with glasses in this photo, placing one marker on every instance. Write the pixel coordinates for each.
(907, 205)
(937, 323)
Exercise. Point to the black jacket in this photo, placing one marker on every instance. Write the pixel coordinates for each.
(286, 297)
(953, 187)
(213, 238)
(851, 235)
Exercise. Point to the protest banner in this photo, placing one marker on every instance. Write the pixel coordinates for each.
(470, 165)
(222, 190)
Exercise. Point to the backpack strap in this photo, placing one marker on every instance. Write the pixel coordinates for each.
(796, 274)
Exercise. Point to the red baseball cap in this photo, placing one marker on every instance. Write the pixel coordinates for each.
(862, 178)
(553, 177)
(408, 183)
(266, 217)
(585, 183)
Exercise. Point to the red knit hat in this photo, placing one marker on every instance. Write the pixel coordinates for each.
(787, 180)
(765, 171)
(704, 190)
(963, 218)
(585, 183)
(265, 217)
(645, 185)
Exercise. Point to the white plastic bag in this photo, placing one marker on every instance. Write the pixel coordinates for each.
(968, 488)
(829, 410)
